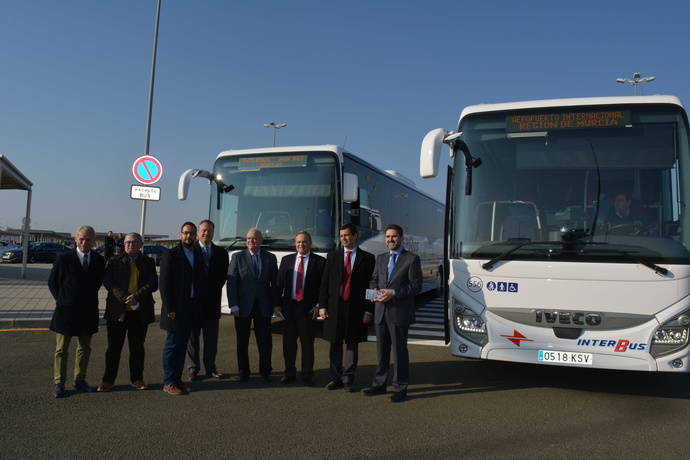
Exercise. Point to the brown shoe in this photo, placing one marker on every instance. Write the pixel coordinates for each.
(139, 385)
(172, 390)
(104, 386)
(185, 387)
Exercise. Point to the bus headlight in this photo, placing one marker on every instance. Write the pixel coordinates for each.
(469, 324)
(671, 336)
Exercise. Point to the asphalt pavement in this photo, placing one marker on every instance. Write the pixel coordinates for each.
(457, 409)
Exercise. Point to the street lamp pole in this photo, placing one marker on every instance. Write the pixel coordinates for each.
(276, 127)
(150, 109)
(635, 82)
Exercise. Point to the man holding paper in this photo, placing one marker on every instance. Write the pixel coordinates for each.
(131, 280)
(398, 279)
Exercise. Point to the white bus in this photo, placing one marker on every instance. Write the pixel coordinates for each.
(283, 190)
(567, 233)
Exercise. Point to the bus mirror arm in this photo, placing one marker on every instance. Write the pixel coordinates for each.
(470, 163)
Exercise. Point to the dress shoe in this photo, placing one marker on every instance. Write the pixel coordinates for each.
(349, 387)
(139, 385)
(373, 390)
(104, 386)
(185, 387)
(334, 385)
(81, 385)
(399, 396)
(193, 375)
(240, 378)
(59, 390)
(284, 380)
(172, 390)
(215, 375)
(266, 378)
(308, 380)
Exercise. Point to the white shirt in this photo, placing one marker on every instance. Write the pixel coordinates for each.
(81, 256)
(294, 273)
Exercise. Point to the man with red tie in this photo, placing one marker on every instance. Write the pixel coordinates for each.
(299, 279)
(343, 306)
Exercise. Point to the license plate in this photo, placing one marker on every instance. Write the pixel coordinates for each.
(565, 357)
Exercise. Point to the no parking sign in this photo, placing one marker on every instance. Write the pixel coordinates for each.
(147, 170)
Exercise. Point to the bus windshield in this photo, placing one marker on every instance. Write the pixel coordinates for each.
(594, 184)
(280, 194)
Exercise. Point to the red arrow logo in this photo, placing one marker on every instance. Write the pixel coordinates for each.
(517, 338)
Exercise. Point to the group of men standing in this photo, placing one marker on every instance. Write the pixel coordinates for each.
(304, 288)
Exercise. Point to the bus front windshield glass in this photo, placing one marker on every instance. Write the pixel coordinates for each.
(595, 184)
(280, 194)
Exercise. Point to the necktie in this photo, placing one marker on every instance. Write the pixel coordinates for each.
(299, 288)
(391, 263)
(255, 259)
(85, 262)
(347, 275)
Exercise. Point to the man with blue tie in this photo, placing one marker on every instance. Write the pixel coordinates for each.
(398, 278)
(253, 297)
(215, 275)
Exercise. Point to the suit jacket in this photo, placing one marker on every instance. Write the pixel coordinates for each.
(345, 325)
(406, 280)
(244, 289)
(116, 281)
(312, 282)
(76, 293)
(214, 278)
(176, 280)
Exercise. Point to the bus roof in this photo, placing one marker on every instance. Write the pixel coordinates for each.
(338, 150)
(573, 102)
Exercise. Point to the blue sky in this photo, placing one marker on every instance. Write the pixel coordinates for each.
(380, 74)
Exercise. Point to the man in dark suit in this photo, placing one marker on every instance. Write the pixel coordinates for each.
(215, 274)
(253, 296)
(343, 306)
(398, 278)
(299, 280)
(131, 280)
(180, 286)
(74, 282)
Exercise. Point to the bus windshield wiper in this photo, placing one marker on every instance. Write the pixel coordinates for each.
(233, 241)
(651, 265)
(489, 265)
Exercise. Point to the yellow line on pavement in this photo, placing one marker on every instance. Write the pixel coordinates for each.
(23, 329)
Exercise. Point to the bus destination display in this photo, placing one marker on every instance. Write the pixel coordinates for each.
(568, 120)
(283, 161)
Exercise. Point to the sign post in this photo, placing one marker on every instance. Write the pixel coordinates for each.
(146, 170)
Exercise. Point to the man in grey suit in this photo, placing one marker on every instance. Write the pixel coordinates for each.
(398, 277)
(253, 296)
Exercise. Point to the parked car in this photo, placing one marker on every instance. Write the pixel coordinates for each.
(154, 251)
(39, 251)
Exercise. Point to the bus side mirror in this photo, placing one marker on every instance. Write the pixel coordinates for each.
(185, 177)
(431, 152)
(350, 187)
(183, 184)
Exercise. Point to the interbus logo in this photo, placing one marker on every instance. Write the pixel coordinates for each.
(577, 318)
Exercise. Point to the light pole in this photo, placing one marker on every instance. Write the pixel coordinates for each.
(276, 127)
(636, 80)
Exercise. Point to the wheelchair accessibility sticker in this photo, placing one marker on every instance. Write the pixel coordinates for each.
(502, 286)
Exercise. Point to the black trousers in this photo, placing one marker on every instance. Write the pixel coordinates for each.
(262, 333)
(298, 325)
(209, 329)
(135, 331)
(391, 335)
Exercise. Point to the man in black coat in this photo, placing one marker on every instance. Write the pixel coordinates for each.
(215, 275)
(299, 279)
(180, 287)
(108, 245)
(131, 280)
(343, 306)
(74, 282)
(253, 297)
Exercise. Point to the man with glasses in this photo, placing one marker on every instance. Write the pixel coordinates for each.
(131, 280)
